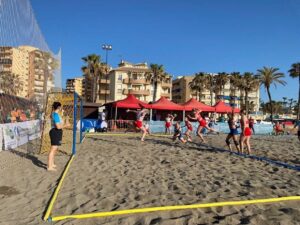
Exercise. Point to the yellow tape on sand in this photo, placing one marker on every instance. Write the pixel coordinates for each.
(50, 206)
(124, 134)
(111, 134)
(179, 207)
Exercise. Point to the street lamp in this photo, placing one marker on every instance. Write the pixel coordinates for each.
(107, 48)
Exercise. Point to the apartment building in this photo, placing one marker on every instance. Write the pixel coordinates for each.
(181, 93)
(129, 78)
(103, 89)
(76, 85)
(34, 68)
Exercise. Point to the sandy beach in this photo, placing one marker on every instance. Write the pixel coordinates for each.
(119, 172)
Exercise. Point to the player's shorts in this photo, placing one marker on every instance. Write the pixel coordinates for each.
(203, 123)
(247, 132)
(168, 124)
(138, 124)
(234, 131)
(56, 136)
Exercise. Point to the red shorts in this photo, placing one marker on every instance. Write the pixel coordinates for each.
(203, 123)
(138, 124)
(247, 132)
(190, 128)
(168, 124)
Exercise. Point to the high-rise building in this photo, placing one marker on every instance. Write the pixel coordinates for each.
(181, 93)
(103, 89)
(75, 85)
(33, 67)
(135, 79)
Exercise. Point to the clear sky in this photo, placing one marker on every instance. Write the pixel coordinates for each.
(186, 36)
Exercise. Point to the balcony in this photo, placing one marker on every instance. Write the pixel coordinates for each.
(136, 92)
(103, 92)
(135, 81)
(166, 85)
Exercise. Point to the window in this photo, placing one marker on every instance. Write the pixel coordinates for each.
(120, 77)
(119, 91)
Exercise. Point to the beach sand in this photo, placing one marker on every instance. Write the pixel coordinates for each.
(120, 172)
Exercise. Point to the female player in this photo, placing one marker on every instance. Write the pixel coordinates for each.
(178, 132)
(55, 134)
(189, 128)
(232, 123)
(202, 124)
(246, 132)
(140, 115)
(168, 124)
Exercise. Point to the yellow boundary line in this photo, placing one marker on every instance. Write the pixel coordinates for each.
(53, 199)
(124, 134)
(152, 209)
(179, 207)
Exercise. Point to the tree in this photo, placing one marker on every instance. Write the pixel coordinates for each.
(198, 84)
(210, 85)
(294, 73)
(284, 102)
(220, 81)
(291, 101)
(234, 80)
(157, 75)
(93, 71)
(248, 83)
(277, 107)
(10, 83)
(268, 76)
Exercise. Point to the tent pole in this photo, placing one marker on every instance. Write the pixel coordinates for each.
(150, 119)
(183, 115)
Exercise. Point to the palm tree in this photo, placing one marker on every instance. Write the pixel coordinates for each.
(93, 71)
(268, 76)
(234, 80)
(10, 83)
(248, 83)
(210, 85)
(291, 101)
(221, 79)
(198, 84)
(294, 73)
(284, 102)
(157, 75)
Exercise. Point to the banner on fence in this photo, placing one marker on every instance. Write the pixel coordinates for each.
(16, 134)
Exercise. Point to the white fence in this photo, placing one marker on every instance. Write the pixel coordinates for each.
(13, 135)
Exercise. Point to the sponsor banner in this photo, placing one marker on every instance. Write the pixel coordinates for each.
(16, 134)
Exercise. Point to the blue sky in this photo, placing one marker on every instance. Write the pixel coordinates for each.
(185, 36)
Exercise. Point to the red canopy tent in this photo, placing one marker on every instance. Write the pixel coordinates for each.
(130, 102)
(165, 104)
(193, 103)
(221, 107)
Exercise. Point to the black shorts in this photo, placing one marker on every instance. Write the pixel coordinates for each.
(298, 133)
(56, 136)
